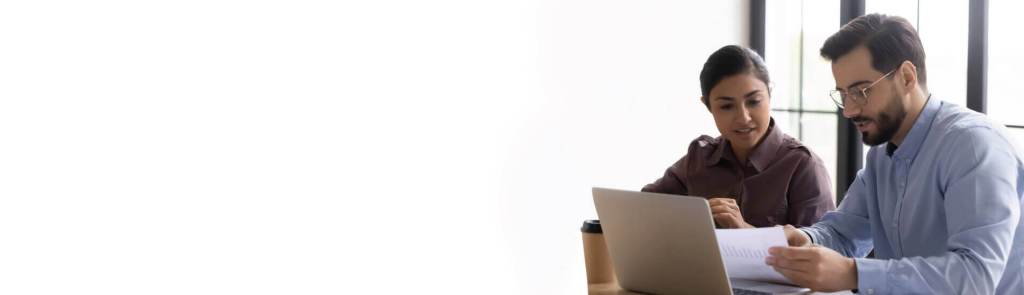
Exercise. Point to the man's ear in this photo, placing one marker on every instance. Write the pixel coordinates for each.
(908, 73)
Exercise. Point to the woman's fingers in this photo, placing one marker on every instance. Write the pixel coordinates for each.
(731, 203)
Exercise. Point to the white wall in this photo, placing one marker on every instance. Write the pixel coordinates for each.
(213, 147)
(619, 103)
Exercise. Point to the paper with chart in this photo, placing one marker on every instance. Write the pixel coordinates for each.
(744, 250)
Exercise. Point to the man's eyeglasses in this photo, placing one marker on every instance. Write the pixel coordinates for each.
(856, 96)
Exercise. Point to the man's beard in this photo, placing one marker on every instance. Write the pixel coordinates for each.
(888, 122)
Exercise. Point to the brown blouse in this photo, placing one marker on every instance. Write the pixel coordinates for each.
(781, 183)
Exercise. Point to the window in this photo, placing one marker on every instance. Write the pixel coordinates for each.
(1005, 62)
(942, 27)
(801, 79)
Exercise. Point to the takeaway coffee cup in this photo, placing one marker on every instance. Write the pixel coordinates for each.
(595, 252)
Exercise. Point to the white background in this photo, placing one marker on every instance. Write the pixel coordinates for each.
(312, 147)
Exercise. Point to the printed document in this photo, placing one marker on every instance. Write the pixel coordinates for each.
(744, 250)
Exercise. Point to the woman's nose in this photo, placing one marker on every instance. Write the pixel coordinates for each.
(744, 115)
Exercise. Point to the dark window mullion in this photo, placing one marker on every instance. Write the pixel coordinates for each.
(977, 56)
(757, 26)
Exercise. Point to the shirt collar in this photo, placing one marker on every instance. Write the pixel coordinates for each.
(912, 143)
(762, 154)
(716, 156)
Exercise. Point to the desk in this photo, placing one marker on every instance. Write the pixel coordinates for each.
(614, 289)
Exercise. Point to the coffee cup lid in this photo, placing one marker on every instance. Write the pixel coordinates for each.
(592, 226)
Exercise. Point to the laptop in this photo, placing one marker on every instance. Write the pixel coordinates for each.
(665, 244)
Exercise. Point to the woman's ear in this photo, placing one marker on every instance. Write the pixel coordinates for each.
(704, 100)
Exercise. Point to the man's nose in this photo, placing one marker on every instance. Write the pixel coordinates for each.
(851, 110)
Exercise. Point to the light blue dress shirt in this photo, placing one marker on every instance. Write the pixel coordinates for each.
(941, 212)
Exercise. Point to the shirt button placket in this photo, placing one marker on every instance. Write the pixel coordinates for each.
(902, 168)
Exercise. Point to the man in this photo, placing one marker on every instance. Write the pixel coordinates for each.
(939, 199)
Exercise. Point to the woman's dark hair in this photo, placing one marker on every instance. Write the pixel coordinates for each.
(890, 39)
(727, 61)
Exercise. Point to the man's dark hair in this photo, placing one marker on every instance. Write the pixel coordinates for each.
(890, 39)
(727, 61)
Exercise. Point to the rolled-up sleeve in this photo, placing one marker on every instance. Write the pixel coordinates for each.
(674, 180)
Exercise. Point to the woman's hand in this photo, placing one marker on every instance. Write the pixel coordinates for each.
(727, 213)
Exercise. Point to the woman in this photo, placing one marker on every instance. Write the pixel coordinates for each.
(753, 174)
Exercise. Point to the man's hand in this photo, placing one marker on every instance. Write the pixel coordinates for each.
(727, 213)
(815, 267)
(796, 237)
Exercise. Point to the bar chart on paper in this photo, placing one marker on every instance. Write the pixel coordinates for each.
(743, 252)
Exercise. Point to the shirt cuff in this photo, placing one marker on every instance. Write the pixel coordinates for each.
(871, 278)
(809, 233)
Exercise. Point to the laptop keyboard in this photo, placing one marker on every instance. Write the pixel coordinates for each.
(736, 291)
